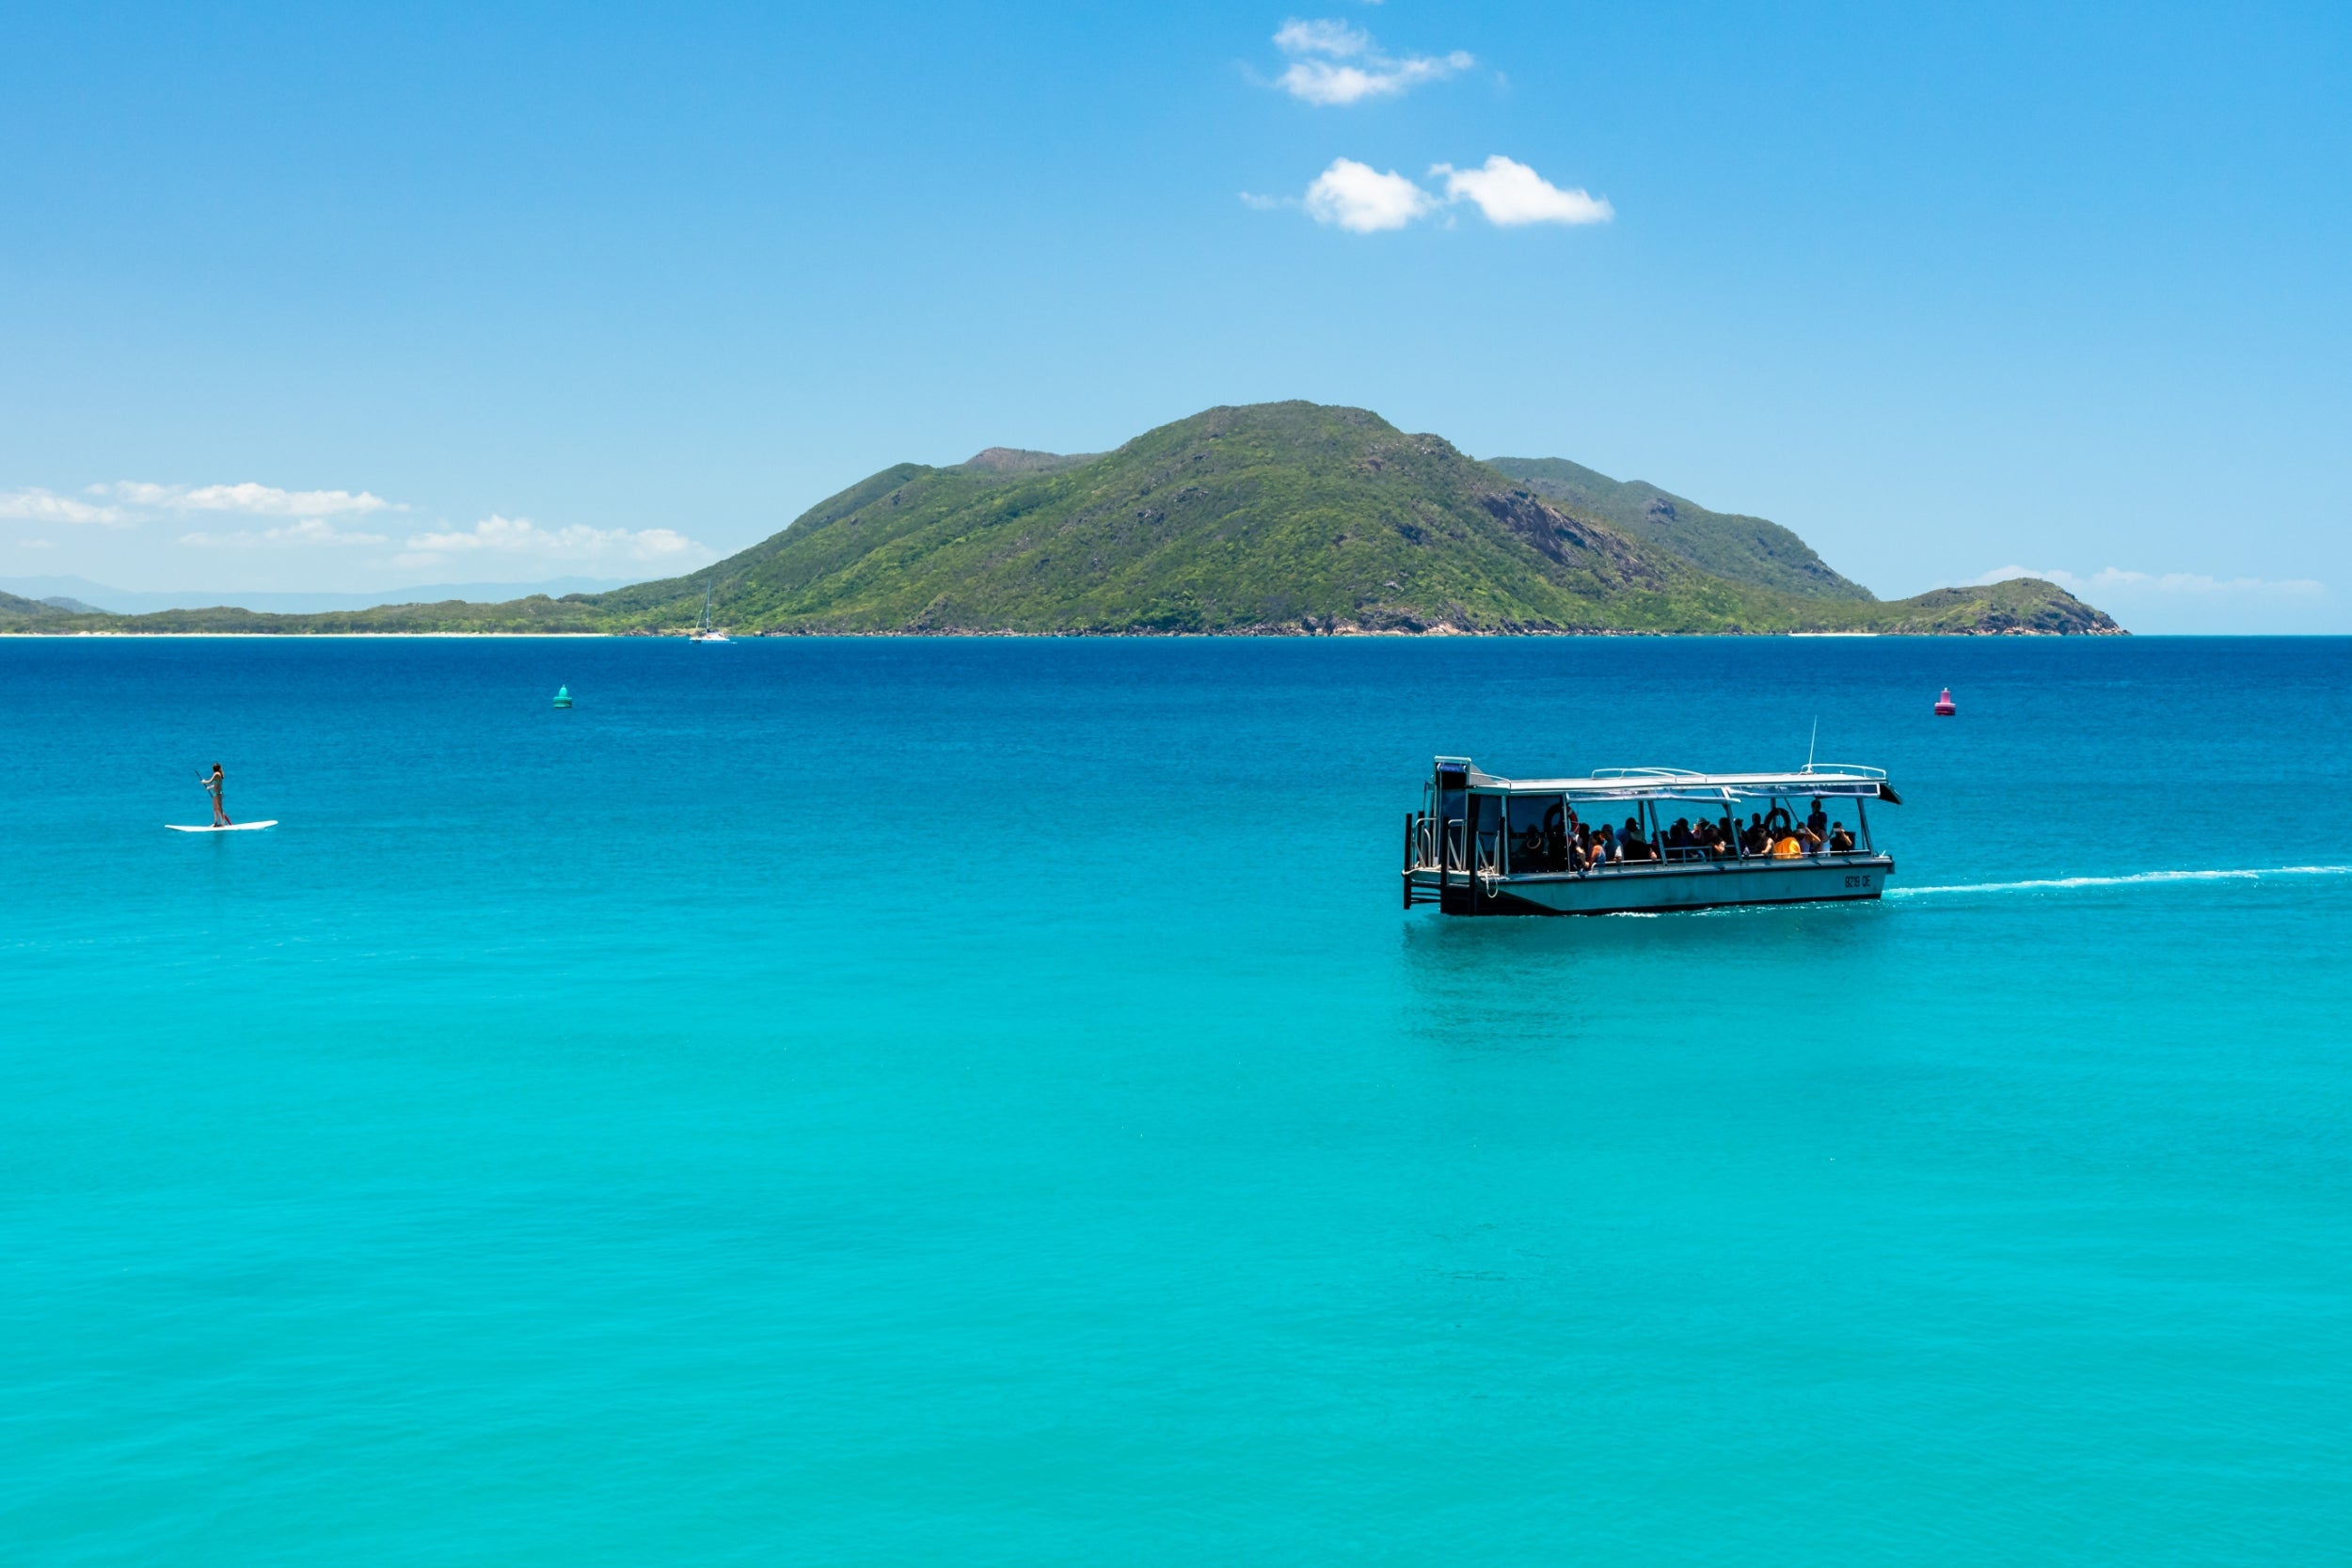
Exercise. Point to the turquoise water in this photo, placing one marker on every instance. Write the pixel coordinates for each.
(926, 1101)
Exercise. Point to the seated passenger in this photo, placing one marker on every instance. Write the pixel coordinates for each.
(1634, 845)
(1785, 848)
(1758, 840)
(1604, 845)
(1840, 841)
(1812, 843)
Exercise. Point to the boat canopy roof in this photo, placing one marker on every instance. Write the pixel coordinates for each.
(1827, 780)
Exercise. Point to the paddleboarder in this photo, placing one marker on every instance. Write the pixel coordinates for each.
(213, 784)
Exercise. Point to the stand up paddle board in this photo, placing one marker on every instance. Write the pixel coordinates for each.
(232, 828)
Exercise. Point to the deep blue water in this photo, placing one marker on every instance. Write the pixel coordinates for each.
(924, 1102)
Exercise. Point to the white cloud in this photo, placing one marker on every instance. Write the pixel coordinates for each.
(1361, 199)
(127, 502)
(259, 501)
(1511, 194)
(1335, 62)
(310, 531)
(47, 506)
(2110, 578)
(300, 520)
(1340, 40)
(573, 541)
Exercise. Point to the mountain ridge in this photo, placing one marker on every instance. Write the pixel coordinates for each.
(1727, 544)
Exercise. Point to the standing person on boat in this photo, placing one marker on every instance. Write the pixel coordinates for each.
(213, 784)
(1818, 823)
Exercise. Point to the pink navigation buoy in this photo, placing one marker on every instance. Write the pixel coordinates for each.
(1945, 706)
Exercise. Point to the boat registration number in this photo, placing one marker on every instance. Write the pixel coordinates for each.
(1859, 879)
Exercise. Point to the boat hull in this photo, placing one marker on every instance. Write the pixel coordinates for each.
(1714, 884)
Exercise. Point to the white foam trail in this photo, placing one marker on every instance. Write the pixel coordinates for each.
(2126, 881)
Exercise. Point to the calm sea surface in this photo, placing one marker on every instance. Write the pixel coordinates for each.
(893, 1102)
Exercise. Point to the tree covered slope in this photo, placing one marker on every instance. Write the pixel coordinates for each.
(1290, 517)
(1746, 549)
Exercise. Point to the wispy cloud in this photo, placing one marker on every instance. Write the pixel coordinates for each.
(257, 500)
(1336, 62)
(310, 531)
(47, 506)
(129, 501)
(1510, 194)
(1361, 199)
(2110, 578)
(287, 519)
(521, 536)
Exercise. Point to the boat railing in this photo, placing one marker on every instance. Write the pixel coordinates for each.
(1644, 773)
(1489, 852)
(1699, 854)
(1436, 844)
(1844, 769)
(1448, 848)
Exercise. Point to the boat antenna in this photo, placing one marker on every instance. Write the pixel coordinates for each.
(1813, 744)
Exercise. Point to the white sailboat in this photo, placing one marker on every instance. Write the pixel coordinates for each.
(706, 632)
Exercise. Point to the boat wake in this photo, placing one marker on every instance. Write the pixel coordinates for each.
(2135, 877)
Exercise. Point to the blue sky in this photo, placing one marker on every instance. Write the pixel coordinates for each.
(344, 298)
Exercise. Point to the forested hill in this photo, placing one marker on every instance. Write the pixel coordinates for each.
(1289, 518)
(1295, 517)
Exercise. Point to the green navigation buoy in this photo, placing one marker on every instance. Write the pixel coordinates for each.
(563, 696)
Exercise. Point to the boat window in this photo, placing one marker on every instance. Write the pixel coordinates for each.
(1452, 791)
(1485, 829)
(1540, 839)
(1789, 815)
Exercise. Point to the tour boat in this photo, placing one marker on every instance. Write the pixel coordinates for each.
(1486, 845)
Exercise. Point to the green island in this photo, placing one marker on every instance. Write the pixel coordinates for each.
(1274, 519)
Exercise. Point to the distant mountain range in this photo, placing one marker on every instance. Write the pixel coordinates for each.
(1273, 518)
(82, 593)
